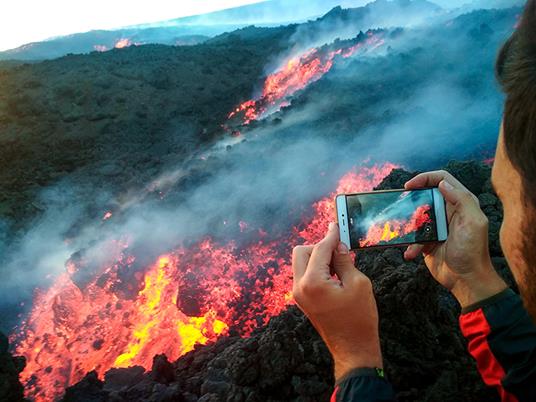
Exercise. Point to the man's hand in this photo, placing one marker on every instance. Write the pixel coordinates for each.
(339, 301)
(462, 264)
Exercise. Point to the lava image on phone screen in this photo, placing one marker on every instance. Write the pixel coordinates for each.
(391, 218)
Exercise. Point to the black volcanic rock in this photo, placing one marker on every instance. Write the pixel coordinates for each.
(89, 389)
(425, 354)
(162, 370)
(121, 378)
(472, 174)
(10, 367)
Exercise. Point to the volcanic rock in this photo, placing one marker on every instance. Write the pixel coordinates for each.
(10, 367)
(87, 390)
(424, 351)
(123, 378)
(162, 370)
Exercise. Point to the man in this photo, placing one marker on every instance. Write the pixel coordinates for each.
(500, 332)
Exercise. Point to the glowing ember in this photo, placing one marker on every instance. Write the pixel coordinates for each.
(489, 161)
(122, 43)
(296, 74)
(187, 297)
(386, 231)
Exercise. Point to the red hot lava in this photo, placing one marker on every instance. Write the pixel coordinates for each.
(296, 74)
(386, 231)
(122, 43)
(187, 297)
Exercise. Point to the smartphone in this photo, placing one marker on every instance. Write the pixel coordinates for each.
(391, 218)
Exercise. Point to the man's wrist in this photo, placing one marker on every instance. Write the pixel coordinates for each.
(478, 285)
(362, 372)
(344, 363)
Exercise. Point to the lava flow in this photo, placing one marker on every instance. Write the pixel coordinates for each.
(122, 43)
(119, 44)
(296, 74)
(387, 231)
(187, 297)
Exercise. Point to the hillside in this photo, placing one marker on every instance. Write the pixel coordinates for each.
(138, 108)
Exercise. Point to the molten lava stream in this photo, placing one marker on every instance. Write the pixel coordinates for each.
(295, 75)
(387, 231)
(72, 330)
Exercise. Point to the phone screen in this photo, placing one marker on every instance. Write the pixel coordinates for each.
(391, 218)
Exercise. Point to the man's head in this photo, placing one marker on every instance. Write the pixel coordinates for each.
(514, 171)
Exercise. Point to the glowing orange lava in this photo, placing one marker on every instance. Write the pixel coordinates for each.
(122, 43)
(187, 297)
(386, 231)
(295, 75)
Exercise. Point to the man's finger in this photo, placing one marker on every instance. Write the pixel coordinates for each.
(343, 264)
(431, 179)
(458, 197)
(300, 259)
(413, 251)
(322, 252)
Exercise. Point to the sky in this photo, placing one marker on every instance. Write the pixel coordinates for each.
(24, 21)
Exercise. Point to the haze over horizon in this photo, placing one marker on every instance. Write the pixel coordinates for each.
(55, 18)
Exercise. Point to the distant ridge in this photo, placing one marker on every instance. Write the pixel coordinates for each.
(196, 29)
(184, 31)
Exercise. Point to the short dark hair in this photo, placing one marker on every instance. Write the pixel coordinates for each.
(516, 72)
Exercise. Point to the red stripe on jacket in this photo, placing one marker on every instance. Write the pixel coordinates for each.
(475, 328)
(334, 395)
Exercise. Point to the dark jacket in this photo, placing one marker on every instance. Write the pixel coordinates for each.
(501, 337)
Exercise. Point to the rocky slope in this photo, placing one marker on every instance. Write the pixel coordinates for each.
(115, 118)
(10, 367)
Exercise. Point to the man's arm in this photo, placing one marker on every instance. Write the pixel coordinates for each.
(502, 338)
(339, 301)
(501, 335)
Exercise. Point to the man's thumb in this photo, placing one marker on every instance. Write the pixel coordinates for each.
(342, 263)
(456, 196)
